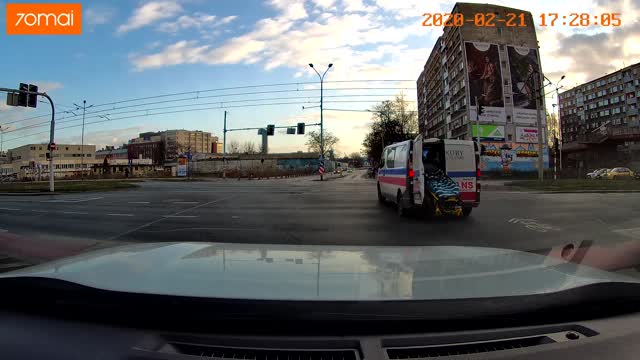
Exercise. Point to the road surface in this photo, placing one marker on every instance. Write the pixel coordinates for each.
(342, 211)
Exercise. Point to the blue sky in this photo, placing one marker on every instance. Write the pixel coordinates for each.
(134, 49)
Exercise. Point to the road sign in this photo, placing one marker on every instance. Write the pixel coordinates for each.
(52, 147)
(291, 131)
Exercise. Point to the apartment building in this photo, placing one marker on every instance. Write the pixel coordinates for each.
(68, 159)
(599, 122)
(608, 101)
(177, 142)
(497, 66)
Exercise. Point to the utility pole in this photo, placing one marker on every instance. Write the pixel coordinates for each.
(321, 107)
(224, 146)
(2, 139)
(538, 88)
(84, 110)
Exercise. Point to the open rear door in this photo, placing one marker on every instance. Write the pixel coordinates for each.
(461, 167)
(418, 168)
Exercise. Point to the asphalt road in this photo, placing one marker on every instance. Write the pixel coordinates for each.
(341, 211)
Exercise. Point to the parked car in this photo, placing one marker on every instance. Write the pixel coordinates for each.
(620, 173)
(597, 174)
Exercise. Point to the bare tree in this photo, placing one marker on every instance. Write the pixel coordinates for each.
(249, 147)
(313, 141)
(234, 147)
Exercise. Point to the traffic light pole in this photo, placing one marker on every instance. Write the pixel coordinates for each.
(539, 95)
(51, 131)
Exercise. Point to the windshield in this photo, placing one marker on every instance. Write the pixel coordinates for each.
(321, 149)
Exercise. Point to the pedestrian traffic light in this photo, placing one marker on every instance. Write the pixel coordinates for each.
(480, 110)
(300, 128)
(271, 129)
(23, 97)
(32, 99)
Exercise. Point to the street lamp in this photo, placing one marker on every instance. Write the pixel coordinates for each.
(321, 119)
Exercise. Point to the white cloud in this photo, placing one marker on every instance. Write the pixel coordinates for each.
(113, 137)
(149, 13)
(292, 9)
(97, 15)
(181, 52)
(324, 3)
(196, 21)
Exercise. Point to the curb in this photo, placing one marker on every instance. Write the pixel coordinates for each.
(29, 193)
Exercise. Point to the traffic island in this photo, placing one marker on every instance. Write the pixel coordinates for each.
(42, 188)
(575, 185)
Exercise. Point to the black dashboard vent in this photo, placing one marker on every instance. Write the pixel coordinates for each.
(238, 353)
(466, 348)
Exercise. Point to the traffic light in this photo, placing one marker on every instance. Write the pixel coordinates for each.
(480, 110)
(300, 128)
(291, 131)
(32, 99)
(22, 97)
(271, 129)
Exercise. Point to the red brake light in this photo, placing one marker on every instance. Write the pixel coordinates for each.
(411, 173)
(478, 173)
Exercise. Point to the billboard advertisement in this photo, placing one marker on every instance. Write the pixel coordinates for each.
(523, 64)
(528, 135)
(488, 132)
(182, 166)
(512, 157)
(485, 81)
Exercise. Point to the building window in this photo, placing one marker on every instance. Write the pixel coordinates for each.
(504, 64)
(507, 99)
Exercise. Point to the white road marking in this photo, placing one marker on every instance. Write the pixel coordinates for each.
(180, 216)
(235, 217)
(533, 224)
(39, 211)
(9, 209)
(120, 214)
(187, 202)
(631, 232)
(3, 230)
(75, 212)
(138, 202)
(72, 200)
(162, 218)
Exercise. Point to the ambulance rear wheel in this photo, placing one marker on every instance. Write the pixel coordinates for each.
(466, 211)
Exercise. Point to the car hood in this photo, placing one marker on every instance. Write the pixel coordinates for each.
(286, 272)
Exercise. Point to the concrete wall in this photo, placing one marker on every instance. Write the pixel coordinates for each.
(247, 167)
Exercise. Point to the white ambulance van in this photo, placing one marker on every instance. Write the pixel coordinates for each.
(401, 176)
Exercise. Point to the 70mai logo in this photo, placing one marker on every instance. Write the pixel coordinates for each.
(44, 19)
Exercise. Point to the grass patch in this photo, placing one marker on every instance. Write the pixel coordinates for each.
(577, 185)
(67, 186)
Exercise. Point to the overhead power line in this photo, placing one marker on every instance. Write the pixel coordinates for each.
(197, 92)
(161, 113)
(92, 114)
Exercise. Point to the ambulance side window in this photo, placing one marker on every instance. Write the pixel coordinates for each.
(401, 156)
(390, 159)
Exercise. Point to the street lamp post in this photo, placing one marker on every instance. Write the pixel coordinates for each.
(321, 118)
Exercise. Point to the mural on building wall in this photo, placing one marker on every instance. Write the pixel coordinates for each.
(512, 157)
(523, 64)
(485, 81)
